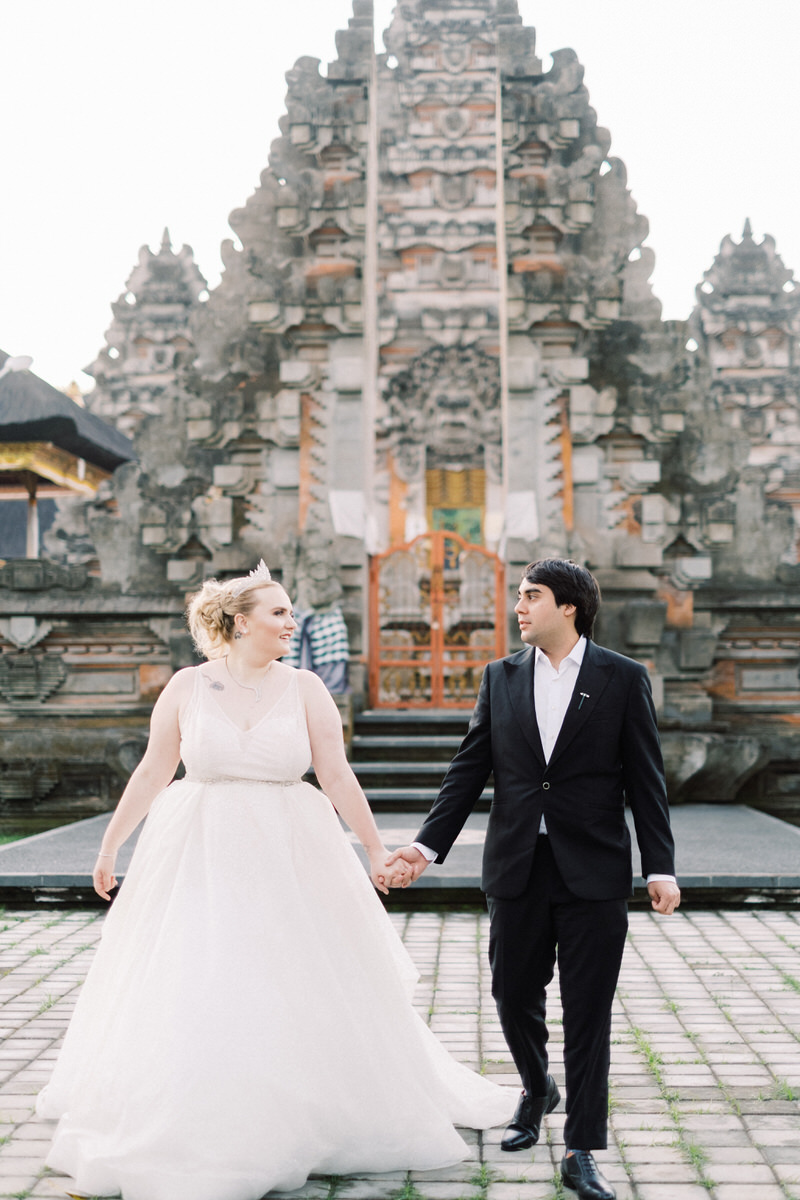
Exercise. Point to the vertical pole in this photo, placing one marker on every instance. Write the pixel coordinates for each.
(372, 634)
(437, 553)
(32, 528)
(502, 276)
(370, 334)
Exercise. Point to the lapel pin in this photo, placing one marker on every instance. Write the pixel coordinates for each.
(583, 696)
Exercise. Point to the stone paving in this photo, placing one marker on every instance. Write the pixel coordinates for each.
(705, 1074)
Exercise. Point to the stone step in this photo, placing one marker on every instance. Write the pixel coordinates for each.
(393, 775)
(383, 768)
(400, 757)
(400, 774)
(412, 799)
(414, 716)
(416, 793)
(402, 747)
(412, 722)
(378, 768)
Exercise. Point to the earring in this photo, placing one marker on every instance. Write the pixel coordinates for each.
(236, 636)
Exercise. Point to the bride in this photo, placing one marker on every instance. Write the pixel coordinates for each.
(247, 1017)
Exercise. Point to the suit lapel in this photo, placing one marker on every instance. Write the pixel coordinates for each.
(519, 679)
(593, 678)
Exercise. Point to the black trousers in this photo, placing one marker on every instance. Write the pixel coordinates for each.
(587, 937)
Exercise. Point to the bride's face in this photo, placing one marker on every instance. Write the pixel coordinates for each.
(269, 625)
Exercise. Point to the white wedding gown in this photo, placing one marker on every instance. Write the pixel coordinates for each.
(247, 1018)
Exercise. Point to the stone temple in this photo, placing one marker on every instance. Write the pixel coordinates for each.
(434, 356)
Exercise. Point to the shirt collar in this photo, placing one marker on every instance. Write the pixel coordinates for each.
(575, 655)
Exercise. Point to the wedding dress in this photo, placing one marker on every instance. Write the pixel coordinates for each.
(247, 1017)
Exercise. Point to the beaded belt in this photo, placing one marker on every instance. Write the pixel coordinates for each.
(239, 779)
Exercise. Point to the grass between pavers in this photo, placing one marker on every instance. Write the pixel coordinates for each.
(781, 1090)
(479, 1182)
(683, 1022)
(28, 950)
(559, 1192)
(694, 1153)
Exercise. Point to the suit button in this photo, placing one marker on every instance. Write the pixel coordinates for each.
(546, 786)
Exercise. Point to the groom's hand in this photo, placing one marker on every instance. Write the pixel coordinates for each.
(664, 895)
(416, 860)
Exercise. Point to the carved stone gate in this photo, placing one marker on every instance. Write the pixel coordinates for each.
(437, 616)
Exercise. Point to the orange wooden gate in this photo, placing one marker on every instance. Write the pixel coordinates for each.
(437, 616)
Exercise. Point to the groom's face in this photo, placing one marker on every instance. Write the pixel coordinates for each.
(542, 622)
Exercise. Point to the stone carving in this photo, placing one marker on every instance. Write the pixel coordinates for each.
(33, 575)
(309, 571)
(699, 764)
(447, 401)
(24, 632)
(26, 676)
(149, 338)
(25, 782)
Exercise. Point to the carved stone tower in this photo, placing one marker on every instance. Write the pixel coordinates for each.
(434, 356)
(149, 338)
(402, 344)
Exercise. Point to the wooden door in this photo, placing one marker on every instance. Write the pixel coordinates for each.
(437, 616)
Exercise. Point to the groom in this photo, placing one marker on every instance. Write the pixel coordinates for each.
(569, 731)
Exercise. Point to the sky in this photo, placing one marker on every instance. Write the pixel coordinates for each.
(119, 119)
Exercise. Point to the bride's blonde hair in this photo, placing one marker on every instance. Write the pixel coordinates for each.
(211, 611)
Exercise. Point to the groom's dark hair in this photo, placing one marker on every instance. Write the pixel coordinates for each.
(570, 584)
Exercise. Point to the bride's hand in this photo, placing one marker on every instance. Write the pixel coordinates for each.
(103, 877)
(385, 877)
(398, 875)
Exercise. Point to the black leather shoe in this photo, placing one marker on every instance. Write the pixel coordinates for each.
(527, 1120)
(579, 1172)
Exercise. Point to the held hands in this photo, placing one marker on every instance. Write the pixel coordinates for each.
(103, 877)
(412, 860)
(383, 875)
(398, 869)
(664, 895)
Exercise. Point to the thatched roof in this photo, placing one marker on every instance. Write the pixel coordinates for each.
(33, 411)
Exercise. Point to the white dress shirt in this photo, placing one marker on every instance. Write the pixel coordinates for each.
(552, 691)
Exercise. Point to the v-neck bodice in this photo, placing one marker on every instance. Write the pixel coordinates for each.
(214, 747)
(276, 707)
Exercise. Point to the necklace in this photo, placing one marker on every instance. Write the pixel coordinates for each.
(249, 686)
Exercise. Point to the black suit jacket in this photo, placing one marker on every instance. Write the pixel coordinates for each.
(607, 753)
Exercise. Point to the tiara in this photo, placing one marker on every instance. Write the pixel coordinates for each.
(259, 575)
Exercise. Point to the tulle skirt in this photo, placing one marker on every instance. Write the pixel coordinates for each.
(247, 1018)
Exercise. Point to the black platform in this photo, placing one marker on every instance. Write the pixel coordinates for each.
(726, 853)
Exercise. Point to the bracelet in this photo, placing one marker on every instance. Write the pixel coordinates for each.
(106, 856)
